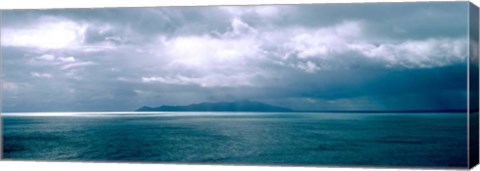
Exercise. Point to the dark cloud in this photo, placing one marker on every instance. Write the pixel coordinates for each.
(395, 20)
(379, 56)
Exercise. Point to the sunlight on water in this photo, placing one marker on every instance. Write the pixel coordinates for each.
(36, 114)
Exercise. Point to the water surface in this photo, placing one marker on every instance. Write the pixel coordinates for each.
(345, 139)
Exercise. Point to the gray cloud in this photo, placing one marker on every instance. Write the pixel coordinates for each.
(308, 57)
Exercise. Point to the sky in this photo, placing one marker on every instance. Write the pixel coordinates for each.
(377, 56)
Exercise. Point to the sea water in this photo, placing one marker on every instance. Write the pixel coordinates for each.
(331, 139)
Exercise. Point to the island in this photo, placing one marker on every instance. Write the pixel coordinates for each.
(234, 106)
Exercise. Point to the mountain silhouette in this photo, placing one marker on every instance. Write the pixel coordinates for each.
(235, 106)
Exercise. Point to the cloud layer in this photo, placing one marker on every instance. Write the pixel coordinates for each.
(380, 56)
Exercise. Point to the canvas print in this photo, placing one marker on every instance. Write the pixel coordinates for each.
(359, 84)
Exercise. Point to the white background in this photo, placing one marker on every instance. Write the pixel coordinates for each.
(52, 166)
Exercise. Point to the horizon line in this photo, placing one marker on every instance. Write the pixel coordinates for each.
(292, 111)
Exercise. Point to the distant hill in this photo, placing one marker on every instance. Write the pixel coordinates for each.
(235, 106)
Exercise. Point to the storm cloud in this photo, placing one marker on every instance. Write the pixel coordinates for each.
(378, 56)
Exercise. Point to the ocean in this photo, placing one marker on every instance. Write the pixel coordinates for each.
(304, 139)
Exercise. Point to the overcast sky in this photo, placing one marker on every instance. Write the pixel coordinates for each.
(391, 56)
